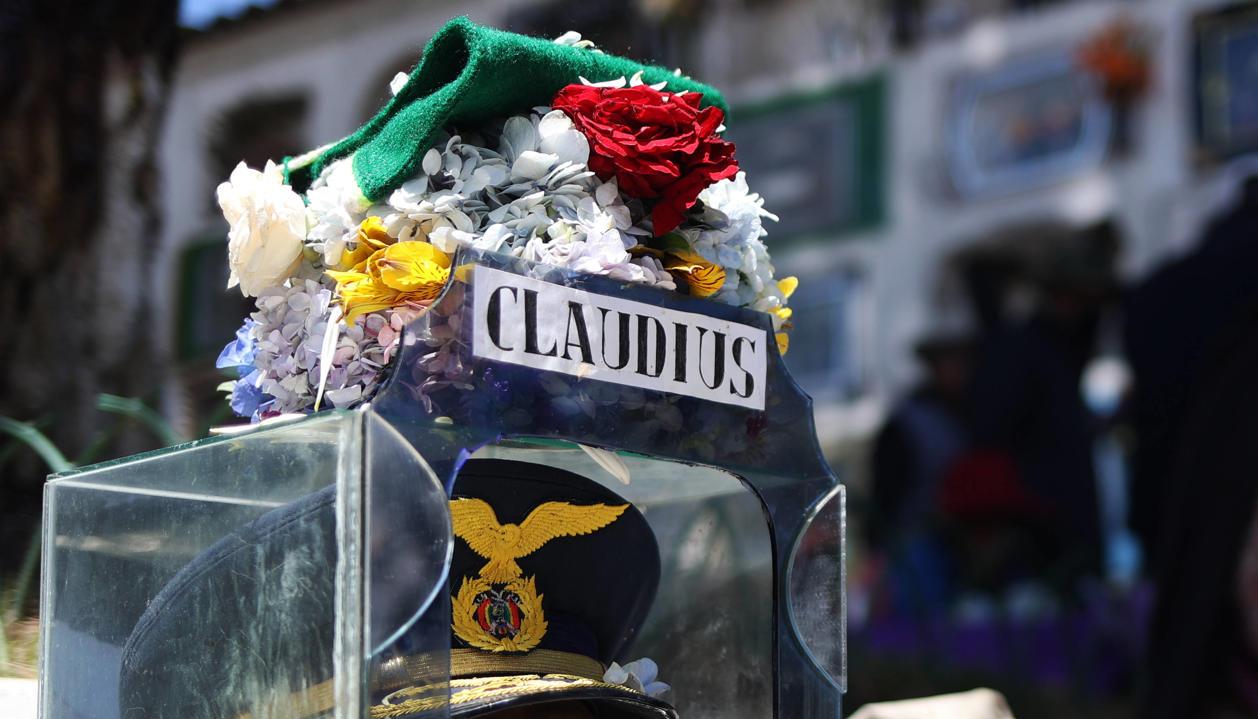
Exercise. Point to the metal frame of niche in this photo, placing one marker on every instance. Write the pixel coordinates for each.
(773, 451)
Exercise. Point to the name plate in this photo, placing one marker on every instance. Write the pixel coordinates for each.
(552, 327)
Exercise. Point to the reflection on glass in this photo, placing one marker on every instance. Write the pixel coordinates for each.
(817, 596)
(192, 582)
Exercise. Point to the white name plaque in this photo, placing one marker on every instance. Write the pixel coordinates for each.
(551, 327)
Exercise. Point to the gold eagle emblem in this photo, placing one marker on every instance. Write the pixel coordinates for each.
(500, 610)
(475, 523)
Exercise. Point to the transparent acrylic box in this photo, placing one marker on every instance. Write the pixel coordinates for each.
(303, 570)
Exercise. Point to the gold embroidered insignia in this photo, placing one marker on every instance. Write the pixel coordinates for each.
(508, 618)
(500, 610)
(475, 522)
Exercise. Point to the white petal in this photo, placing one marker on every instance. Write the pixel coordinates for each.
(569, 146)
(553, 123)
(448, 239)
(607, 193)
(432, 165)
(656, 690)
(273, 172)
(616, 83)
(533, 165)
(453, 164)
(519, 135)
(493, 174)
(493, 239)
(615, 674)
(330, 335)
(644, 668)
(614, 465)
(398, 82)
(346, 396)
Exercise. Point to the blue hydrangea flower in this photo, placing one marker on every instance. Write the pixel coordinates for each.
(246, 395)
(239, 353)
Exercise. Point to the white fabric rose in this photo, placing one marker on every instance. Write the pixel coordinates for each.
(268, 227)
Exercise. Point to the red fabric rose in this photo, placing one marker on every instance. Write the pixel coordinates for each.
(656, 144)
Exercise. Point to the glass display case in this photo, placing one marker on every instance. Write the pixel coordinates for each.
(313, 569)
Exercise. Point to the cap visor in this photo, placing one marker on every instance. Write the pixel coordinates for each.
(483, 695)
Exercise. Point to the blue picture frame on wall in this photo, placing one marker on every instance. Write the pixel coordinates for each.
(1031, 122)
(1226, 82)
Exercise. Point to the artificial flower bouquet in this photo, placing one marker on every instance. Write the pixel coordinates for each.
(619, 177)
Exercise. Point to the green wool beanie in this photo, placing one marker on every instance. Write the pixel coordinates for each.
(468, 74)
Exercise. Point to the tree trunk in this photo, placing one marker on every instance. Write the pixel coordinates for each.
(85, 88)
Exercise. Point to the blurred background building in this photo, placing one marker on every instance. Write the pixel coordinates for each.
(965, 190)
(912, 148)
(996, 209)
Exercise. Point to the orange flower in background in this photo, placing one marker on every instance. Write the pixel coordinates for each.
(1118, 55)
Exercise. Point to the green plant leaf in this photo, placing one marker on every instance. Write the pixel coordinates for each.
(140, 412)
(38, 441)
(26, 577)
(4, 642)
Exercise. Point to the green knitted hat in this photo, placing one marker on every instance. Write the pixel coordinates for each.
(468, 74)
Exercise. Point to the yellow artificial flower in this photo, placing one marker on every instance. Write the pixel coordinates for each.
(360, 295)
(787, 285)
(411, 267)
(463, 273)
(702, 277)
(371, 238)
(404, 273)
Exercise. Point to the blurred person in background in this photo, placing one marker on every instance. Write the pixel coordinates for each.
(1176, 322)
(997, 533)
(1030, 419)
(1192, 337)
(921, 438)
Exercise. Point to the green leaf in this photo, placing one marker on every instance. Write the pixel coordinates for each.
(674, 241)
(140, 412)
(26, 576)
(4, 643)
(27, 434)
